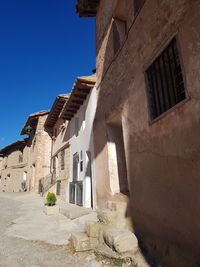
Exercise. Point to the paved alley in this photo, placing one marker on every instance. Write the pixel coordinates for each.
(29, 238)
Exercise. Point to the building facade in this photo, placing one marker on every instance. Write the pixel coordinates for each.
(70, 124)
(147, 120)
(14, 167)
(57, 128)
(26, 161)
(79, 111)
(39, 144)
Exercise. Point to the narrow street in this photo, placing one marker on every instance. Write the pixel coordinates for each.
(29, 238)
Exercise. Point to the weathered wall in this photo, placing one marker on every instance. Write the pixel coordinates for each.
(13, 171)
(163, 159)
(84, 142)
(60, 143)
(40, 154)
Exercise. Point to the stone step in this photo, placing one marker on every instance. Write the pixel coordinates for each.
(118, 206)
(81, 242)
(72, 211)
(115, 219)
(121, 241)
(93, 229)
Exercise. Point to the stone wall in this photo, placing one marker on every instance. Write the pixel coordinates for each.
(162, 158)
(61, 143)
(40, 154)
(14, 172)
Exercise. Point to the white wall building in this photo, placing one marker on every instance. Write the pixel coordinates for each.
(80, 110)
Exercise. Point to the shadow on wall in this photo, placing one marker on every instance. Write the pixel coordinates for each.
(163, 168)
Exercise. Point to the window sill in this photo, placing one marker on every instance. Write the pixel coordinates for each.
(164, 114)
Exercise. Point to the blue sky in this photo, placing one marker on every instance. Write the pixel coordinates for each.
(44, 46)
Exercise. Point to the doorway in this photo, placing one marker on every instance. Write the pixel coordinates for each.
(116, 157)
(76, 186)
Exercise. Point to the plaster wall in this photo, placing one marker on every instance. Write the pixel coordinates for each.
(163, 159)
(82, 140)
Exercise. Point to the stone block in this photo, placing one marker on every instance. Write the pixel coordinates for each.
(121, 240)
(92, 229)
(51, 210)
(81, 242)
(106, 216)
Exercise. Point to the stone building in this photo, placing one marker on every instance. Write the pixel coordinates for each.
(26, 161)
(14, 166)
(56, 127)
(147, 120)
(39, 144)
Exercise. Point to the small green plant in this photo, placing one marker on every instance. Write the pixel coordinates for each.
(51, 199)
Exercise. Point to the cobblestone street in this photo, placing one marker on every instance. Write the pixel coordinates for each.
(24, 229)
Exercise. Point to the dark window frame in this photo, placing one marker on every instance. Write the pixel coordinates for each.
(155, 62)
(117, 25)
(20, 159)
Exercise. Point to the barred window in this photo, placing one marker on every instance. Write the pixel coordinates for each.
(165, 81)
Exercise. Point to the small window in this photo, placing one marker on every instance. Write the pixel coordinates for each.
(54, 163)
(119, 33)
(76, 126)
(75, 166)
(81, 161)
(83, 123)
(165, 81)
(20, 158)
(62, 157)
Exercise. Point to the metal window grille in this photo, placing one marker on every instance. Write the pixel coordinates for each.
(75, 166)
(165, 81)
(62, 156)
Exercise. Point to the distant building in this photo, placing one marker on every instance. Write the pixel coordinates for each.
(146, 126)
(56, 181)
(26, 161)
(14, 167)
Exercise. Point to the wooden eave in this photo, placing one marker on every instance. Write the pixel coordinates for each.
(87, 8)
(55, 112)
(18, 143)
(80, 91)
(32, 120)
